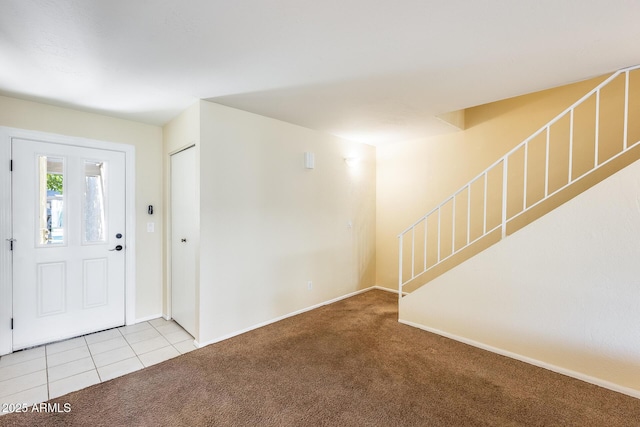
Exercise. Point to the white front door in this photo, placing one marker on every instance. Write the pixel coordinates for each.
(68, 222)
(184, 234)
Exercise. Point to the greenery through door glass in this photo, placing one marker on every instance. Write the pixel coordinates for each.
(54, 182)
(51, 200)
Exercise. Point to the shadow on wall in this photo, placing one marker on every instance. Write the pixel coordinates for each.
(513, 225)
(611, 360)
(544, 104)
(575, 144)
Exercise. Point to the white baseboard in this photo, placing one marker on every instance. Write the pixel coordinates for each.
(568, 372)
(393, 291)
(382, 288)
(146, 319)
(277, 319)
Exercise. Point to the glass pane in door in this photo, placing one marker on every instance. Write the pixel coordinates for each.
(94, 203)
(50, 201)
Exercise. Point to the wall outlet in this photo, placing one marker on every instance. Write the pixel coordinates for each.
(309, 285)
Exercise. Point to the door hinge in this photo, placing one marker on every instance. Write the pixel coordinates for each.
(11, 243)
(12, 323)
(11, 165)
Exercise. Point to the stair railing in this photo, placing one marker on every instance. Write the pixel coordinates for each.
(502, 167)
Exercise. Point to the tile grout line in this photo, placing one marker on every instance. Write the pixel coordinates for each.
(188, 339)
(91, 355)
(136, 355)
(92, 359)
(109, 364)
(171, 344)
(46, 367)
(22, 391)
(134, 350)
(162, 335)
(129, 345)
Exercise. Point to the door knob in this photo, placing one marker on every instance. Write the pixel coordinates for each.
(117, 248)
(183, 240)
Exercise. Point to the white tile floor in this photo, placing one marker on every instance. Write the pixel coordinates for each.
(42, 373)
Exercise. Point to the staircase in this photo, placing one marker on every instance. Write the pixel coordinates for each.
(589, 141)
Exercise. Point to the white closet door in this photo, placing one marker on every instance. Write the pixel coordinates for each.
(184, 235)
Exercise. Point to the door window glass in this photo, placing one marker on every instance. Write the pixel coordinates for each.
(94, 203)
(51, 201)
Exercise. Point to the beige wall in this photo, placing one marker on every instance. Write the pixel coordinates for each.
(578, 315)
(414, 177)
(180, 133)
(183, 131)
(147, 141)
(555, 293)
(271, 225)
(268, 225)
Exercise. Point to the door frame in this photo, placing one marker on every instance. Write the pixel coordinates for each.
(6, 267)
(169, 231)
(196, 241)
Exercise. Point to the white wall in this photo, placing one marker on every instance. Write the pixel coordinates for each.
(268, 225)
(147, 141)
(564, 291)
(182, 132)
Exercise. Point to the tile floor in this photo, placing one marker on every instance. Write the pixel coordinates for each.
(42, 373)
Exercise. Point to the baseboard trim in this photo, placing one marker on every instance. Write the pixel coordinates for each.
(146, 319)
(382, 288)
(286, 316)
(393, 291)
(568, 372)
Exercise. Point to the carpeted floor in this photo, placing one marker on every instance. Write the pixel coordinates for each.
(347, 364)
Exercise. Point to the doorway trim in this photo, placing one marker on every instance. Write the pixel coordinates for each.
(194, 241)
(7, 134)
(169, 231)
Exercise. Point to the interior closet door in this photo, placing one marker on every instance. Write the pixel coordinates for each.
(184, 235)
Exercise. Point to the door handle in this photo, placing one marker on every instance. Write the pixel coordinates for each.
(117, 248)
(183, 240)
(11, 242)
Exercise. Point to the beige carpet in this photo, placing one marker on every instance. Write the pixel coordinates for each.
(347, 364)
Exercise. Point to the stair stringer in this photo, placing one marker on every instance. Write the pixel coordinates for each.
(562, 293)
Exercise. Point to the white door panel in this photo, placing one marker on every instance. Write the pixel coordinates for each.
(184, 234)
(68, 208)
